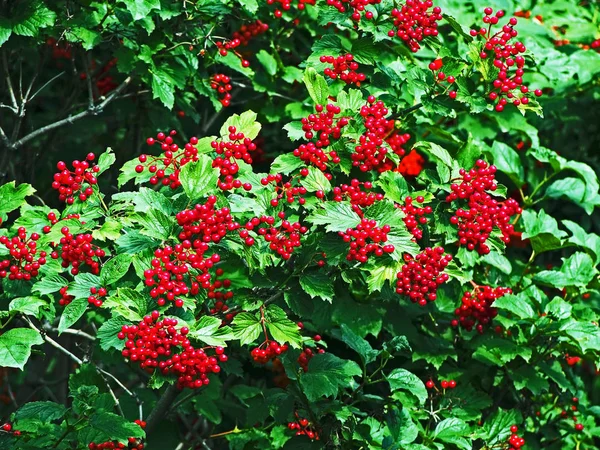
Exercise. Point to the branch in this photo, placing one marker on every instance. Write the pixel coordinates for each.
(69, 120)
(13, 99)
(406, 111)
(161, 408)
(46, 84)
(83, 334)
(52, 342)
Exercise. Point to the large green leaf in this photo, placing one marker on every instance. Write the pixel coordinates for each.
(15, 346)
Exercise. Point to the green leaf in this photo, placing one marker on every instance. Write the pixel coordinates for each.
(199, 178)
(582, 238)
(268, 62)
(155, 224)
(394, 186)
(244, 123)
(507, 160)
(15, 346)
(128, 303)
(453, 430)
(88, 38)
(163, 88)
(12, 197)
(141, 8)
(208, 330)
(542, 231)
(358, 344)
(107, 333)
(436, 152)
(42, 411)
(5, 31)
(577, 270)
(407, 381)
(115, 269)
(584, 335)
(528, 377)
(80, 287)
(379, 274)
(316, 86)
(315, 181)
(31, 18)
(49, 284)
(28, 305)
(326, 375)
(317, 284)
(246, 327)
(281, 328)
(286, 164)
(72, 313)
(336, 216)
(519, 305)
(500, 351)
(110, 230)
(114, 426)
(498, 261)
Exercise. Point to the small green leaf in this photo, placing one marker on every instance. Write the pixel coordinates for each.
(210, 331)
(316, 86)
(107, 333)
(336, 216)
(286, 163)
(246, 327)
(268, 62)
(281, 328)
(316, 181)
(43, 411)
(244, 123)
(407, 381)
(326, 375)
(115, 269)
(15, 346)
(317, 284)
(72, 313)
(12, 197)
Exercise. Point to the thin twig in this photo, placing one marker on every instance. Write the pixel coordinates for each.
(46, 84)
(69, 120)
(80, 333)
(13, 99)
(52, 342)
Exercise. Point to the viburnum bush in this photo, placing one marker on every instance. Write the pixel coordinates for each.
(367, 224)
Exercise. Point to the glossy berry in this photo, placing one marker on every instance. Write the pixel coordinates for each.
(344, 68)
(421, 276)
(414, 21)
(78, 182)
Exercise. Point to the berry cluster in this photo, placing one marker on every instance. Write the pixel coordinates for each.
(218, 293)
(96, 296)
(508, 85)
(302, 427)
(413, 22)
(54, 220)
(242, 37)
(439, 76)
(65, 298)
(7, 427)
(477, 221)
(308, 353)
(78, 181)
(222, 84)
(477, 307)
(415, 216)
(290, 190)
(204, 224)
(104, 82)
(359, 199)
(366, 239)
(444, 384)
(344, 68)
(166, 168)
(23, 251)
(311, 154)
(411, 165)
(171, 265)
(324, 125)
(286, 5)
(152, 342)
(267, 351)
(283, 239)
(132, 443)
(237, 147)
(77, 250)
(357, 7)
(60, 49)
(515, 441)
(380, 136)
(421, 275)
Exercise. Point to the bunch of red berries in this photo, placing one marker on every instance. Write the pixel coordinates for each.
(366, 239)
(204, 223)
(267, 351)
(302, 427)
(152, 343)
(357, 7)
(77, 250)
(413, 22)
(477, 221)
(444, 384)
(307, 354)
(420, 276)
(324, 125)
(415, 216)
(65, 298)
(242, 37)
(508, 84)
(23, 251)
(290, 190)
(378, 139)
(222, 84)
(477, 307)
(439, 76)
(132, 443)
(237, 147)
(54, 220)
(358, 198)
(7, 427)
(219, 293)
(515, 441)
(311, 154)
(96, 296)
(78, 181)
(282, 239)
(412, 164)
(344, 68)
(166, 168)
(286, 5)
(60, 49)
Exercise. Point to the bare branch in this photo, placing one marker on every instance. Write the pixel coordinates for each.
(46, 84)
(13, 99)
(69, 120)
(52, 342)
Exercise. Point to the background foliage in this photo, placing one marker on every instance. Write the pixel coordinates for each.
(83, 76)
